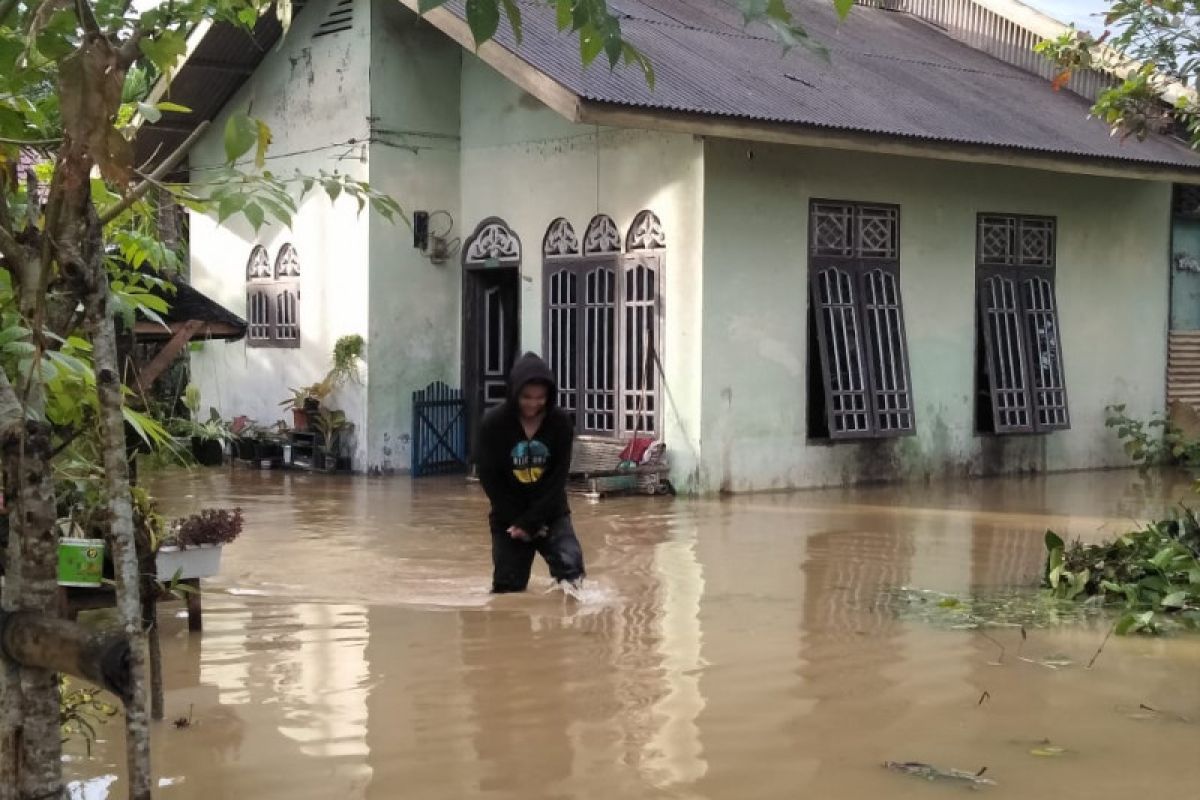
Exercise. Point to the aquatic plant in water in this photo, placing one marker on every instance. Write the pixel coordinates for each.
(1152, 575)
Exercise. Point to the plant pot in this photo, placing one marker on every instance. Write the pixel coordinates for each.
(194, 562)
(247, 449)
(80, 562)
(208, 452)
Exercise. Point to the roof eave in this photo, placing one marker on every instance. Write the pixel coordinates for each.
(511, 66)
(621, 116)
(576, 109)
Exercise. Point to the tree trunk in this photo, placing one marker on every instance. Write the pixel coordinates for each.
(32, 761)
(125, 555)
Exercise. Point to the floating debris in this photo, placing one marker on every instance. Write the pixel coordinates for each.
(1024, 608)
(932, 773)
(1145, 712)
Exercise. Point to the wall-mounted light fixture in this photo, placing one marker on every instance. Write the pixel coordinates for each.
(431, 235)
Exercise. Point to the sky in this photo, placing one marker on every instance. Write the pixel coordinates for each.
(1080, 12)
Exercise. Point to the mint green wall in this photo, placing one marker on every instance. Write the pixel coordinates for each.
(1112, 293)
(1185, 291)
(414, 153)
(524, 163)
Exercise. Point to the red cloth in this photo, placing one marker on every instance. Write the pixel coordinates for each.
(635, 451)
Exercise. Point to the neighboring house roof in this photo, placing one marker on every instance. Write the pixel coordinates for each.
(220, 58)
(188, 305)
(888, 73)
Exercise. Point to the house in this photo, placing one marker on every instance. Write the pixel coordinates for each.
(915, 259)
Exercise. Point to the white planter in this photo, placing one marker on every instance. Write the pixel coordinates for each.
(194, 562)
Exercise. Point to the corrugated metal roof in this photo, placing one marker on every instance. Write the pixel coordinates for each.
(223, 60)
(888, 73)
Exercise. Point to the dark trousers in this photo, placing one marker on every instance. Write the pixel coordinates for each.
(512, 559)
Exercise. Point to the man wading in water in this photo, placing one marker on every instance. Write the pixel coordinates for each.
(524, 456)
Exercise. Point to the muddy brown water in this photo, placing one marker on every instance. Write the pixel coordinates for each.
(724, 649)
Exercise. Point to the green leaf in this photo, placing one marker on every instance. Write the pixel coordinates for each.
(1175, 600)
(513, 12)
(254, 215)
(174, 107)
(425, 6)
(1125, 624)
(263, 141)
(1054, 541)
(241, 134)
(483, 17)
(333, 188)
(230, 205)
(843, 7)
(591, 44)
(165, 50)
(563, 14)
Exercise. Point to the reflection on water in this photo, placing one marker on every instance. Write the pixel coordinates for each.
(724, 649)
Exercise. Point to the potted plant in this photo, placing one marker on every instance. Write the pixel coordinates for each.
(209, 438)
(192, 546)
(330, 424)
(305, 401)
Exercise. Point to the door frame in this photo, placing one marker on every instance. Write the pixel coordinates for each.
(478, 261)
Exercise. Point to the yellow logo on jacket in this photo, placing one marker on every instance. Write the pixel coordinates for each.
(529, 461)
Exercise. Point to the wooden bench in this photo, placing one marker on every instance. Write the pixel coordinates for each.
(596, 470)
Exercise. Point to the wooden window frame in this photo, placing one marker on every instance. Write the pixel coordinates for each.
(277, 287)
(561, 255)
(854, 294)
(1021, 383)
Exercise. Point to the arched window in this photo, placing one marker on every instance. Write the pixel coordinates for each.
(603, 312)
(641, 324)
(258, 297)
(287, 297)
(273, 298)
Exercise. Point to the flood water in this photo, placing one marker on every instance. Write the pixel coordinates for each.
(725, 649)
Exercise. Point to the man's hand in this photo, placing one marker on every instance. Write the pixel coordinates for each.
(518, 534)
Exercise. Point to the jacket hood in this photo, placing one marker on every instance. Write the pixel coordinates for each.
(530, 368)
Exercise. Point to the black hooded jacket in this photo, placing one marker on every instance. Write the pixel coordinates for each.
(526, 478)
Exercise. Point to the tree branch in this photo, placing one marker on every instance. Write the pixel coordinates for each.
(155, 177)
(34, 640)
(12, 251)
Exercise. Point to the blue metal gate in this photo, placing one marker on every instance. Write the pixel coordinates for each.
(439, 440)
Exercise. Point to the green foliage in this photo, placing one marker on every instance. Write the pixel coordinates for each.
(80, 710)
(1153, 574)
(1159, 36)
(347, 351)
(1157, 442)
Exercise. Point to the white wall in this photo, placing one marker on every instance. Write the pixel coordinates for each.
(414, 158)
(313, 95)
(1112, 280)
(524, 163)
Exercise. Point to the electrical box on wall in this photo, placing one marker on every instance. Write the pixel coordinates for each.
(420, 229)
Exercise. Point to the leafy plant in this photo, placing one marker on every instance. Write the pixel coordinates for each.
(1152, 46)
(210, 526)
(347, 352)
(1157, 442)
(80, 710)
(1153, 574)
(330, 423)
